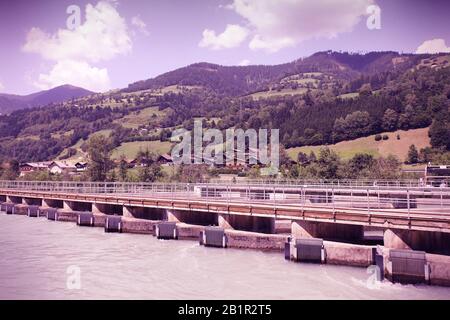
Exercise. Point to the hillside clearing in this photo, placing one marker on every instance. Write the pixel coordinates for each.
(351, 95)
(275, 93)
(398, 148)
(131, 149)
(142, 117)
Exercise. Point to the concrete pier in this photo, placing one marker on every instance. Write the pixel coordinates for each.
(127, 212)
(327, 231)
(143, 213)
(50, 203)
(223, 221)
(13, 199)
(432, 242)
(32, 201)
(254, 240)
(77, 206)
(348, 254)
(191, 217)
(247, 223)
(107, 209)
(139, 226)
(67, 216)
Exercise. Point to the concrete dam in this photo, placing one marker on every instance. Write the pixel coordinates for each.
(402, 230)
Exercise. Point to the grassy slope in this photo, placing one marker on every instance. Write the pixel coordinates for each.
(399, 148)
(351, 95)
(275, 93)
(130, 149)
(142, 117)
(80, 156)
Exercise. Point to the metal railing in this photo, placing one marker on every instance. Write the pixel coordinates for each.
(136, 187)
(335, 182)
(375, 197)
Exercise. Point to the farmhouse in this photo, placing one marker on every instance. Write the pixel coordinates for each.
(62, 167)
(81, 166)
(164, 159)
(29, 167)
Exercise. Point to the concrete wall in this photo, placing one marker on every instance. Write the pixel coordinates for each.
(99, 219)
(13, 199)
(328, 231)
(32, 201)
(249, 223)
(430, 242)
(237, 222)
(222, 221)
(283, 226)
(49, 203)
(348, 254)
(439, 269)
(143, 213)
(188, 231)
(21, 209)
(107, 209)
(67, 216)
(77, 206)
(251, 240)
(133, 225)
(191, 217)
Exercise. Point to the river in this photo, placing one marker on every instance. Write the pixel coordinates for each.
(41, 259)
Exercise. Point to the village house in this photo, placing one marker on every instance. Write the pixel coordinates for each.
(164, 159)
(62, 167)
(133, 163)
(29, 167)
(81, 166)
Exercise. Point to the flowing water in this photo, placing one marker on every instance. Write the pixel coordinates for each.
(41, 259)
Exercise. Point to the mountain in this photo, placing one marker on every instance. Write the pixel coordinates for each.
(226, 80)
(318, 100)
(10, 102)
(243, 80)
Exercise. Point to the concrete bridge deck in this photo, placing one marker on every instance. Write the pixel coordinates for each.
(360, 210)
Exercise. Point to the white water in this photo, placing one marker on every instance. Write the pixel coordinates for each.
(35, 254)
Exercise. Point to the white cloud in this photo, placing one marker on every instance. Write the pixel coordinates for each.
(270, 45)
(244, 63)
(140, 25)
(232, 37)
(103, 36)
(2, 87)
(433, 46)
(277, 24)
(77, 73)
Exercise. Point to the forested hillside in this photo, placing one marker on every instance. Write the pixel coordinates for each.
(323, 99)
(9, 102)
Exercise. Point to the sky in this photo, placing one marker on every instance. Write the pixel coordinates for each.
(107, 44)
